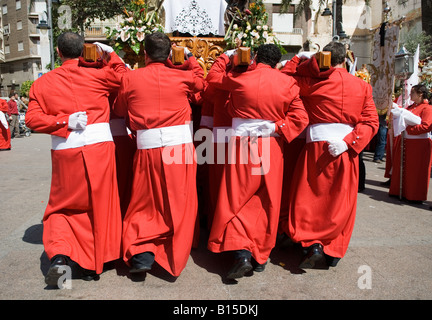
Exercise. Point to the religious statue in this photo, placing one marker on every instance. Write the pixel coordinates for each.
(233, 6)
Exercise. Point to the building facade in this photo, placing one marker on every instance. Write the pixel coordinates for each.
(23, 53)
(25, 49)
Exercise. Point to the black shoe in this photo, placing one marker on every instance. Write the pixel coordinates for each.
(142, 262)
(314, 254)
(241, 266)
(54, 272)
(89, 275)
(258, 267)
(331, 261)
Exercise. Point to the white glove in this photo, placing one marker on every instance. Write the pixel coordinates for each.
(230, 53)
(283, 62)
(187, 53)
(78, 120)
(104, 47)
(305, 54)
(267, 128)
(337, 147)
(3, 120)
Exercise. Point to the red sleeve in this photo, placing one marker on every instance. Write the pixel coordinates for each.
(296, 119)
(198, 75)
(291, 66)
(426, 122)
(217, 74)
(367, 127)
(37, 119)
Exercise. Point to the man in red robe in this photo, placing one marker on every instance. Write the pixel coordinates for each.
(82, 221)
(343, 120)
(247, 212)
(5, 134)
(160, 221)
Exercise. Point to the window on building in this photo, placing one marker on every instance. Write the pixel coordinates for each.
(4, 9)
(25, 66)
(20, 46)
(19, 25)
(6, 29)
(18, 4)
(7, 49)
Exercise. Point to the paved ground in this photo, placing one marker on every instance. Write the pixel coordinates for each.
(390, 254)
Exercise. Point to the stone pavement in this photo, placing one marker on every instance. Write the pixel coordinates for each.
(389, 257)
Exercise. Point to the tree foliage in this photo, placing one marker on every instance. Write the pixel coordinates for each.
(25, 88)
(412, 39)
(84, 12)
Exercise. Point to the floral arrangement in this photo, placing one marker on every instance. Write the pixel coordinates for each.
(363, 74)
(249, 28)
(425, 74)
(138, 21)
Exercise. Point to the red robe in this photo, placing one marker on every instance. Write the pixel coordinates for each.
(5, 134)
(417, 158)
(323, 195)
(163, 208)
(82, 219)
(247, 210)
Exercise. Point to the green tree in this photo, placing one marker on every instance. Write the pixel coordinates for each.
(84, 12)
(25, 88)
(412, 39)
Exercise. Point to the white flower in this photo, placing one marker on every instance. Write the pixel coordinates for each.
(140, 36)
(124, 36)
(140, 21)
(265, 27)
(259, 28)
(235, 26)
(130, 19)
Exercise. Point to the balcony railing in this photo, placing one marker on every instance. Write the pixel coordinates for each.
(98, 30)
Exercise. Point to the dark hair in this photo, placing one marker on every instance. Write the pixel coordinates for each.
(421, 89)
(338, 52)
(11, 94)
(268, 54)
(157, 46)
(70, 44)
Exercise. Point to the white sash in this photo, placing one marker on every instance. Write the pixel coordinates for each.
(164, 136)
(93, 133)
(253, 127)
(426, 135)
(327, 131)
